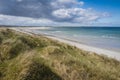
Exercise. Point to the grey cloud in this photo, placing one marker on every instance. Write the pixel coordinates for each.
(26, 8)
(54, 10)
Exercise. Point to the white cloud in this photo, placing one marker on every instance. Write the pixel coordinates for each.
(81, 3)
(70, 1)
(106, 14)
(68, 10)
(66, 3)
(61, 13)
(79, 15)
(15, 20)
(19, 0)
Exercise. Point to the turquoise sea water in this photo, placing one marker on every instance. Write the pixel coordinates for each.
(101, 37)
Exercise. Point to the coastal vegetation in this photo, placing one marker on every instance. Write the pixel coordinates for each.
(33, 57)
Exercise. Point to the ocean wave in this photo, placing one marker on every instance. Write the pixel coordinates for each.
(108, 36)
(40, 28)
(58, 31)
(75, 35)
(96, 36)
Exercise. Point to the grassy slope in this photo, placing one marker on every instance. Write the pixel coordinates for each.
(25, 57)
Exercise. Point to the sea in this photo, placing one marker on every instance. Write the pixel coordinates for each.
(101, 37)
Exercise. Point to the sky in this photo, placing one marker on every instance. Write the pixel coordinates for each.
(60, 12)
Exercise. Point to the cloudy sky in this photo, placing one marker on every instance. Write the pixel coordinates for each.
(60, 12)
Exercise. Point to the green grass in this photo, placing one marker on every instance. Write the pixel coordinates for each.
(32, 57)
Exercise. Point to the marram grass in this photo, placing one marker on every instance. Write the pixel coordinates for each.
(26, 57)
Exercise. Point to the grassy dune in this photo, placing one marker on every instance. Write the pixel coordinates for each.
(32, 57)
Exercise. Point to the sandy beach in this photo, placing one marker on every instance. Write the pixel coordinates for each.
(100, 51)
(96, 50)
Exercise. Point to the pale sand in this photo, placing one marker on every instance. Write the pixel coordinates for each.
(100, 51)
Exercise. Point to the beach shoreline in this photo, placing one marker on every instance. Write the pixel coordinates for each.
(96, 50)
(108, 53)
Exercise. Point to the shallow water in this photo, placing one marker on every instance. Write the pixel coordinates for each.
(101, 37)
